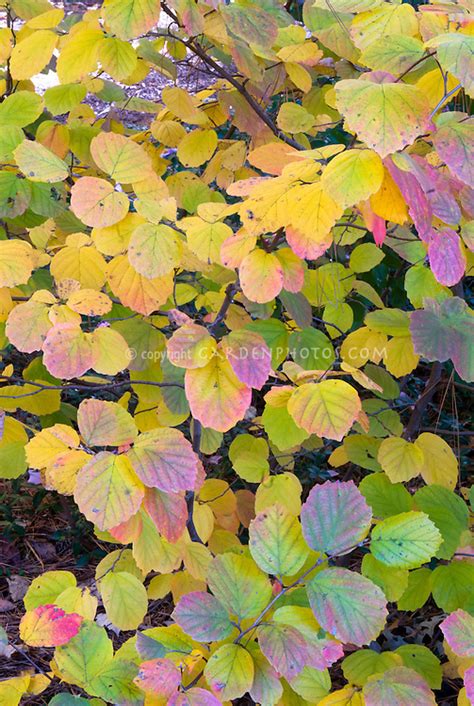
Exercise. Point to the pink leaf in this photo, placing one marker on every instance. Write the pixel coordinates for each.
(285, 648)
(168, 512)
(376, 224)
(249, 357)
(159, 677)
(202, 617)
(447, 259)
(49, 626)
(418, 206)
(164, 459)
(440, 190)
(458, 629)
(335, 517)
(469, 683)
(194, 697)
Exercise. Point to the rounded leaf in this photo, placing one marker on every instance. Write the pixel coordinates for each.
(335, 517)
(229, 671)
(107, 491)
(276, 542)
(328, 408)
(399, 686)
(347, 605)
(405, 541)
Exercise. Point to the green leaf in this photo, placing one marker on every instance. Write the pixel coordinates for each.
(21, 108)
(406, 540)
(312, 684)
(312, 349)
(423, 661)
(417, 591)
(347, 605)
(125, 599)
(360, 665)
(239, 585)
(452, 586)
(46, 588)
(229, 671)
(393, 322)
(365, 257)
(385, 498)
(393, 582)
(249, 456)
(276, 542)
(84, 657)
(449, 513)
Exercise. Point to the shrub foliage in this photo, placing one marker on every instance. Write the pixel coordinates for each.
(227, 308)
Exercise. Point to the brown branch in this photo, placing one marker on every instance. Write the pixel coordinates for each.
(92, 387)
(190, 495)
(196, 48)
(230, 292)
(415, 64)
(423, 401)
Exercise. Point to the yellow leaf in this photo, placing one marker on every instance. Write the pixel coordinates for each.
(183, 106)
(78, 56)
(387, 116)
(388, 202)
(384, 21)
(205, 239)
(284, 489)
(118, 58)
(293, 118)
(78, 600)
(130, 18)
(121, 158)
(300, 76)
(400, 459)
(134, 290)
(216, 396)
(39, 164)
(89, 302)
(399, 356)
(108, 491)
(432, 86)
(16, 262)
(125, 599)
(79, 262)
(349, 696)
(27, 326)
(363, 345)
(328, 408)
(114, 240)
(62, 473)
(43, 448)
(311, 213)
(353, 176)
(197, 147)
(154, 250)
(46, 20)
(440, 465)
(6, 43)
(110, 351)
(31, 55)
(229, 671)
(261, 276)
